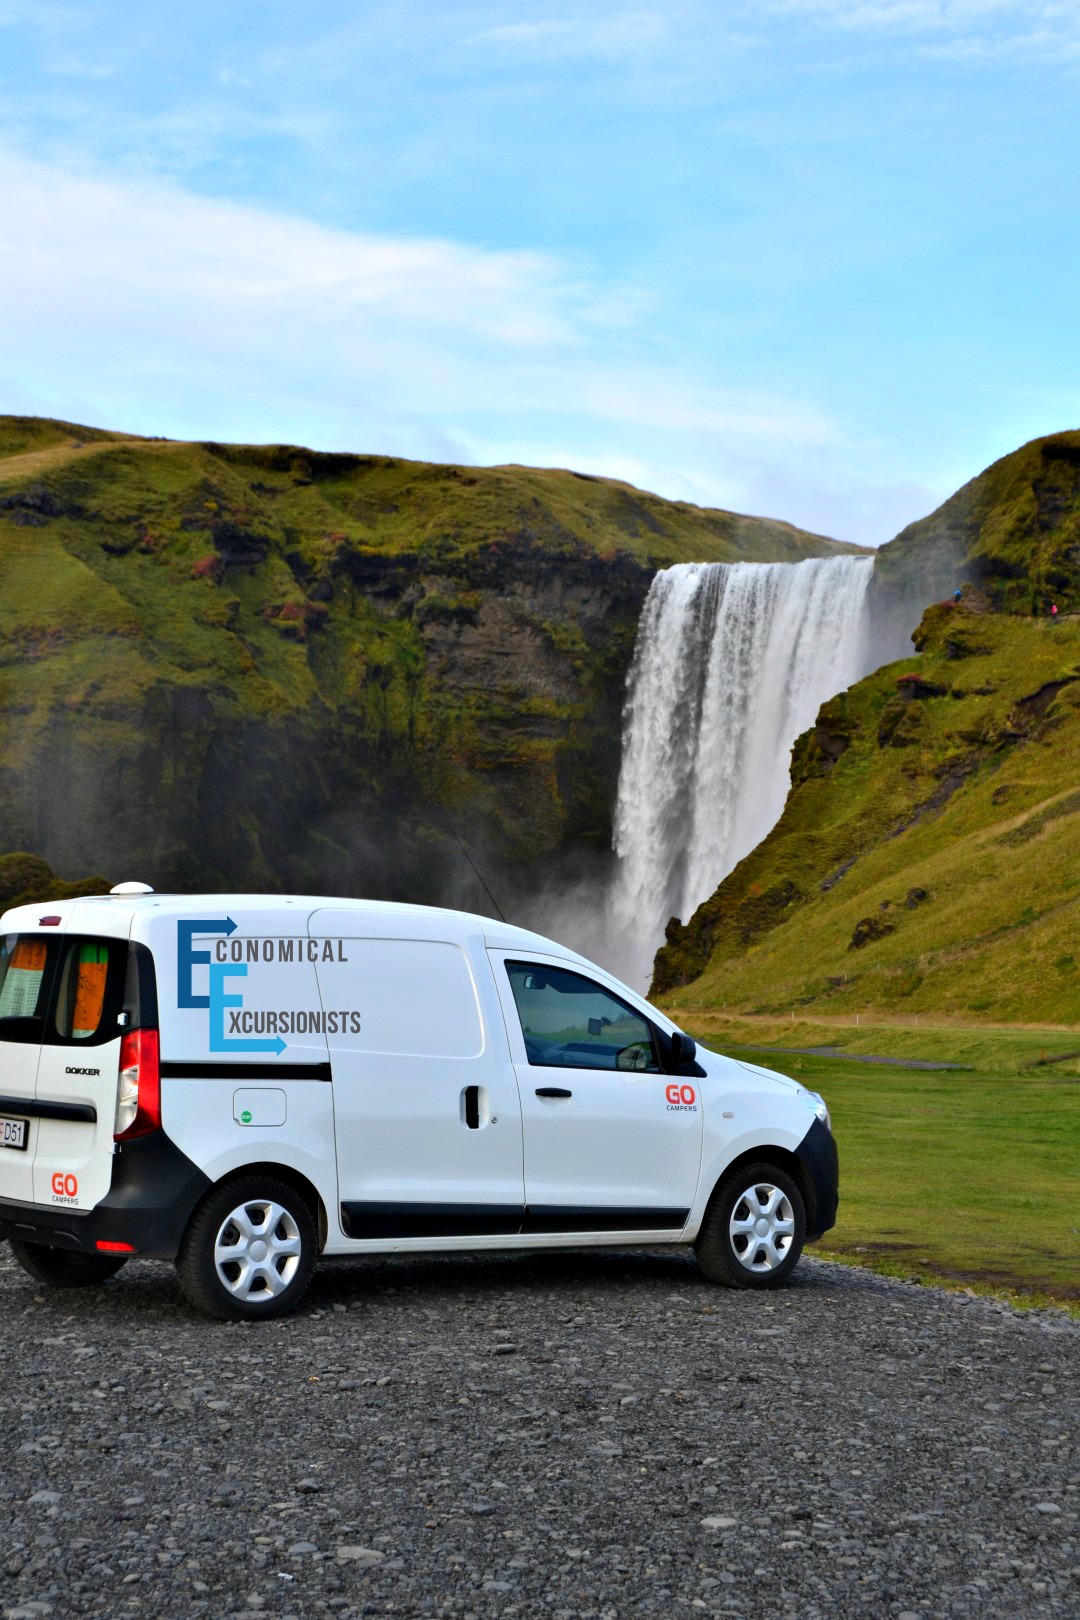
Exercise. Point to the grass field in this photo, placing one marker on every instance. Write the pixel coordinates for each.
(965, 1177)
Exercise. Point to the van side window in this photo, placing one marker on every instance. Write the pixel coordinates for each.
(24, 981)
(570, 1022)
(81, 998)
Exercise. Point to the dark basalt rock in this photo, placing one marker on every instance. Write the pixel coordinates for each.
(35, 506)
(914, 686)
(898, 723)
(867, 930)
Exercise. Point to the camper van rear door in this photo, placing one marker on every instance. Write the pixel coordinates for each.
(26, 963)
(78, 1073)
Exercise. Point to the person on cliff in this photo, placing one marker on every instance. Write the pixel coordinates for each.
(958, 595)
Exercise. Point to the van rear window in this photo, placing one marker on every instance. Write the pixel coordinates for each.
(64, 991)
(80, 1002)
(24, 960)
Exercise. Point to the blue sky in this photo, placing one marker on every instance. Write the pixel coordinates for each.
(813, 258)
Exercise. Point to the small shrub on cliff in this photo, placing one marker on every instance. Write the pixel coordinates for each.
(27, 880)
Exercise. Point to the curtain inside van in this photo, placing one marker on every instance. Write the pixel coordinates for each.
(22, 968)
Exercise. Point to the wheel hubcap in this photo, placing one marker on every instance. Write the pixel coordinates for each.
(762, 1227)
(257, 1250)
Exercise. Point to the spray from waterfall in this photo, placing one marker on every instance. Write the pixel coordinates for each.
(732, 662)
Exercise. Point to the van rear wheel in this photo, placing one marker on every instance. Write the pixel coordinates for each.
(754, 1229)
(250, 1250)
(65, 1268)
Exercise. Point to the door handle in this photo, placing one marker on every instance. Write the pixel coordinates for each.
(553, 1091)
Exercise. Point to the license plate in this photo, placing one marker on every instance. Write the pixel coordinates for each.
(13, 1133)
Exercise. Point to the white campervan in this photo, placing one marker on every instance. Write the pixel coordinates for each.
(240, 1083)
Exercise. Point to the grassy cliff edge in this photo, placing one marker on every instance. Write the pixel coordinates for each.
(928, 857)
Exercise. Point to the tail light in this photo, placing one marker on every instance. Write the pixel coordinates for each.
(138, 1088)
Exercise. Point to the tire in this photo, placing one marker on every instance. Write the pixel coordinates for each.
(272, 1230)
(65, 1268)
(733, 1252)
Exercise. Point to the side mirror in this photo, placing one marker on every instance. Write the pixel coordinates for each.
(683, 1048)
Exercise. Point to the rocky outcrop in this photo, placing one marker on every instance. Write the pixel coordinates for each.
(1013, 533)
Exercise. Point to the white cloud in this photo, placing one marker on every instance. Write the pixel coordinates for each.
(144, 307)
(963, 31)
(94, 244)
(913, 15)
(614, 35)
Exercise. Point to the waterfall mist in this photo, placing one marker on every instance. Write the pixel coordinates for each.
(733, 661)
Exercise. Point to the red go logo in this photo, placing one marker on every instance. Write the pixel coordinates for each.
(681, 1094)
(64, 1186)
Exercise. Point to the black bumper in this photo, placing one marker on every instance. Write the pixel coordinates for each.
(820, 1163)
(154, 1191)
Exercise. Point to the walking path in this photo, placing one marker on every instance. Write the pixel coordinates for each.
(857, 1057)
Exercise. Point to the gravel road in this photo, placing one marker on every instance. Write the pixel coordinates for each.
(556, 1436)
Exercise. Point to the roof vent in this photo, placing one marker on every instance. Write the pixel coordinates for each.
(131, 888)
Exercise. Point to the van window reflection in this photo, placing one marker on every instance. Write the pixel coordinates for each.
(571, 1022)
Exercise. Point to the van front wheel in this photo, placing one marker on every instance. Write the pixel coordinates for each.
(65, 1268)
(249, 1252)
(754, 1229)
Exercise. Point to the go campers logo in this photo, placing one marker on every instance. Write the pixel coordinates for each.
(65, 1188)
(681, 1099)
(250, 1029)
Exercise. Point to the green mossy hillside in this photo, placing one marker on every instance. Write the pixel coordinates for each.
(231, 666)
(928, 857)
(1014, 531)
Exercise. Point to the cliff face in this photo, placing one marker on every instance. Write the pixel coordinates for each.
(240, 667)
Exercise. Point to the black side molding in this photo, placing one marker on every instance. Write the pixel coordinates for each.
(430, 1220)
(31, 1108)
(591, 1218)
(241, 1072)
(363, 1220)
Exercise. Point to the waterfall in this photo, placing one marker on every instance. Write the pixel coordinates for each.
(732, 662)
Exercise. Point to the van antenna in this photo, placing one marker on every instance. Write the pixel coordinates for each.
(461, 845)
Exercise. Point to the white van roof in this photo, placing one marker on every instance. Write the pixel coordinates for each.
(118, 915)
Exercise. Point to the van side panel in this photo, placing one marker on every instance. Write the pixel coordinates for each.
(205, 1121)
(245, 1072)
(231, 989)
(427, 1112)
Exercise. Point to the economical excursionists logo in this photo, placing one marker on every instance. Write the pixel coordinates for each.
(251, 1029)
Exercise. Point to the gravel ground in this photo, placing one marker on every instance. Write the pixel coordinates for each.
(554, 1436)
